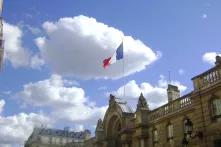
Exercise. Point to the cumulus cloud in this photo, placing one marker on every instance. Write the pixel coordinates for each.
(36, 62)
(16, 129)
(15, 52)
(81, 40)
(155, 95)
(65, 102)
(29, 28)
(51, 92)
(210, 57)
(2, 103)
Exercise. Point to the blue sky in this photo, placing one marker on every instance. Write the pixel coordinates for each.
(53, 50)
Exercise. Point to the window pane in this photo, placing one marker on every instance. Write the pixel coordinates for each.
(170, 131)
(155, 135)
(218, 104)
(217, 107)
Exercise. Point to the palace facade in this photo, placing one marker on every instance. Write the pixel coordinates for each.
(190, 120)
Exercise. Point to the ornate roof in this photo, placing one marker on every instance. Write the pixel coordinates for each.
(125, 108)
(121, 103)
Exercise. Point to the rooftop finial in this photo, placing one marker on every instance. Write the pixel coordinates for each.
(112, 99)
(99, 125)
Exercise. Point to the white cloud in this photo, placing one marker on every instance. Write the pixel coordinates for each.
(51, 92)
(36, 62)
(2, 104)
(81, 40)
(210, 57)
(155, 95)
(14, 51)
(181, 71)
(88, 114)
(26, 27)
(16, 129)
(34, 30)
(65, 102)
(204, 16)
(71, 82)
(79, 128)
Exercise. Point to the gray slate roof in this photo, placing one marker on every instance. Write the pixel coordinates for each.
(63, 133)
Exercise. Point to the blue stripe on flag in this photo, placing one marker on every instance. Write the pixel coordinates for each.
(120, 52)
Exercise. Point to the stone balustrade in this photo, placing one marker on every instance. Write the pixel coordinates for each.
(207, 79)
(210, 77)
(171, 107)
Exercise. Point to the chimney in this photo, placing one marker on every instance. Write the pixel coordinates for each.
(218, 60)
(172, 92)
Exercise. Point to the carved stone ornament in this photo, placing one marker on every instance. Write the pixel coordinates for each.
(99, 125)
(142, 103)
(112, 100)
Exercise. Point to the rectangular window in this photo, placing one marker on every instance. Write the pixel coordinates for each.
(217, 107)
(170, 131)
(155, 136)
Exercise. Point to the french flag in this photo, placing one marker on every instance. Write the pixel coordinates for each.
(118, 55)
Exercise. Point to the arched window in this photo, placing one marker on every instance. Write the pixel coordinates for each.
(216, 108)
(169, 131)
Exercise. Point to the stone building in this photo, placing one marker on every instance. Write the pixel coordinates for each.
(190, 120)
(42, 137)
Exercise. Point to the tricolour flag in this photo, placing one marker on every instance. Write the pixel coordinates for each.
(118, 55)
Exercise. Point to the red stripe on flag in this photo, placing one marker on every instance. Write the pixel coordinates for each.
(106, 62)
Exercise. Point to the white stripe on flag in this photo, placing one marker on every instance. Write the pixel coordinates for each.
(113, 59)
